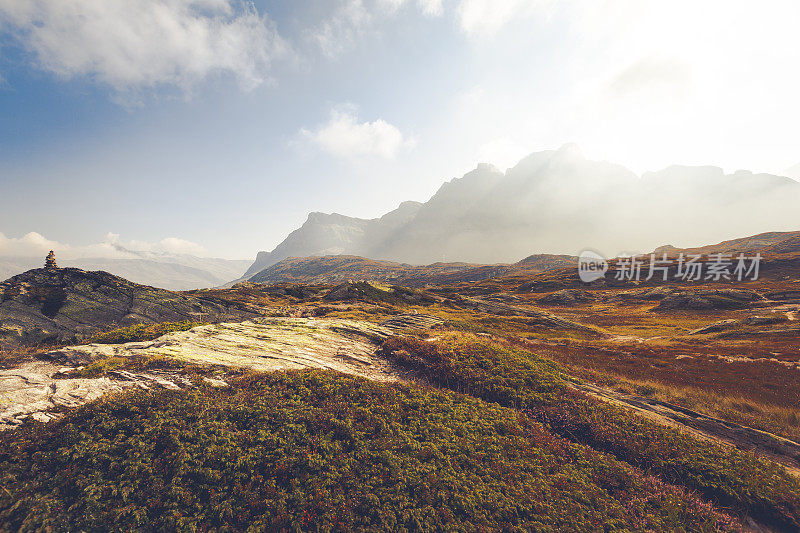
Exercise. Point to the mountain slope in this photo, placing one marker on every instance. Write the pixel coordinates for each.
(57, 305)
(776, 242)
(555, 201)
(324, 234)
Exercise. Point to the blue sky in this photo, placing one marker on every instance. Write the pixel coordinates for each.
(215, 126)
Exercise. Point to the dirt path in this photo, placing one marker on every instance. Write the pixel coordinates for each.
(773, 447)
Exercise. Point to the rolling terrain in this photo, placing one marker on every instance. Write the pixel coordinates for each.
(340, 268)
(347, 395)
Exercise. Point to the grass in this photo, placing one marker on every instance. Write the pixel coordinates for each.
(517, 378)
(142, 332)
(136, 363)
(778, 419)
(319, 451)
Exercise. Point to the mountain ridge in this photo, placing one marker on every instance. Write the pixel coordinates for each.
(554, 201)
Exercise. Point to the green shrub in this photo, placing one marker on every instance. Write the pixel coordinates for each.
(142, 332)
(517, 378)
(319, 451)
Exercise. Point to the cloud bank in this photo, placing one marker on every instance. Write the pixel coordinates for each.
(112, 247)
(133, 44)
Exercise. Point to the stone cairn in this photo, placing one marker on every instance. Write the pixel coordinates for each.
(50, 261)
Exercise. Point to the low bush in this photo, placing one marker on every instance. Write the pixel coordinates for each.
(319, 451)
(517, 378)
(142, 332)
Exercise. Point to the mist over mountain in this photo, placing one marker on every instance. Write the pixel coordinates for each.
(793, 172)
(555, 201)
(335, 234)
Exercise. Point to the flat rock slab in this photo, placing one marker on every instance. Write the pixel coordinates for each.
(265, 344)
(30, 390)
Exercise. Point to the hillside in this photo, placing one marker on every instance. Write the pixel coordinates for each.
(650, 406)
(331, 453)
(171, 272)
(341, 268)
(554, 201)
(65, 304)
(777, 242)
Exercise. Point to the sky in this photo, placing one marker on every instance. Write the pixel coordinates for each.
(213, 127)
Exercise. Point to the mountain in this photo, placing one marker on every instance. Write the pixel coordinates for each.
(554, 201)
(173, 272)
(68, 304)
(324, 234)
(793, 172)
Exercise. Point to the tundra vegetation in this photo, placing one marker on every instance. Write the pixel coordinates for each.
(492, 430)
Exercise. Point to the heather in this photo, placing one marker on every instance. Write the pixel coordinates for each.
(517, 378)
(319, 451)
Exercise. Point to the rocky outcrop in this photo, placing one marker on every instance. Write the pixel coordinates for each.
(709, 299)
(68, 304)
(721, 325)
(265, 344)
(534, 316)
(175, 272)
(743, 437)
(567, 297)
(40, 388)
(412, 321)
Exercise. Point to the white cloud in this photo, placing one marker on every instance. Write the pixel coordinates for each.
(167, 246)
(174, 245)
(484, 18)
(431, 8)
(351, 20)
(344, 136)
(112, 247)
(30, 245)
(343, 28)
(133, 44)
